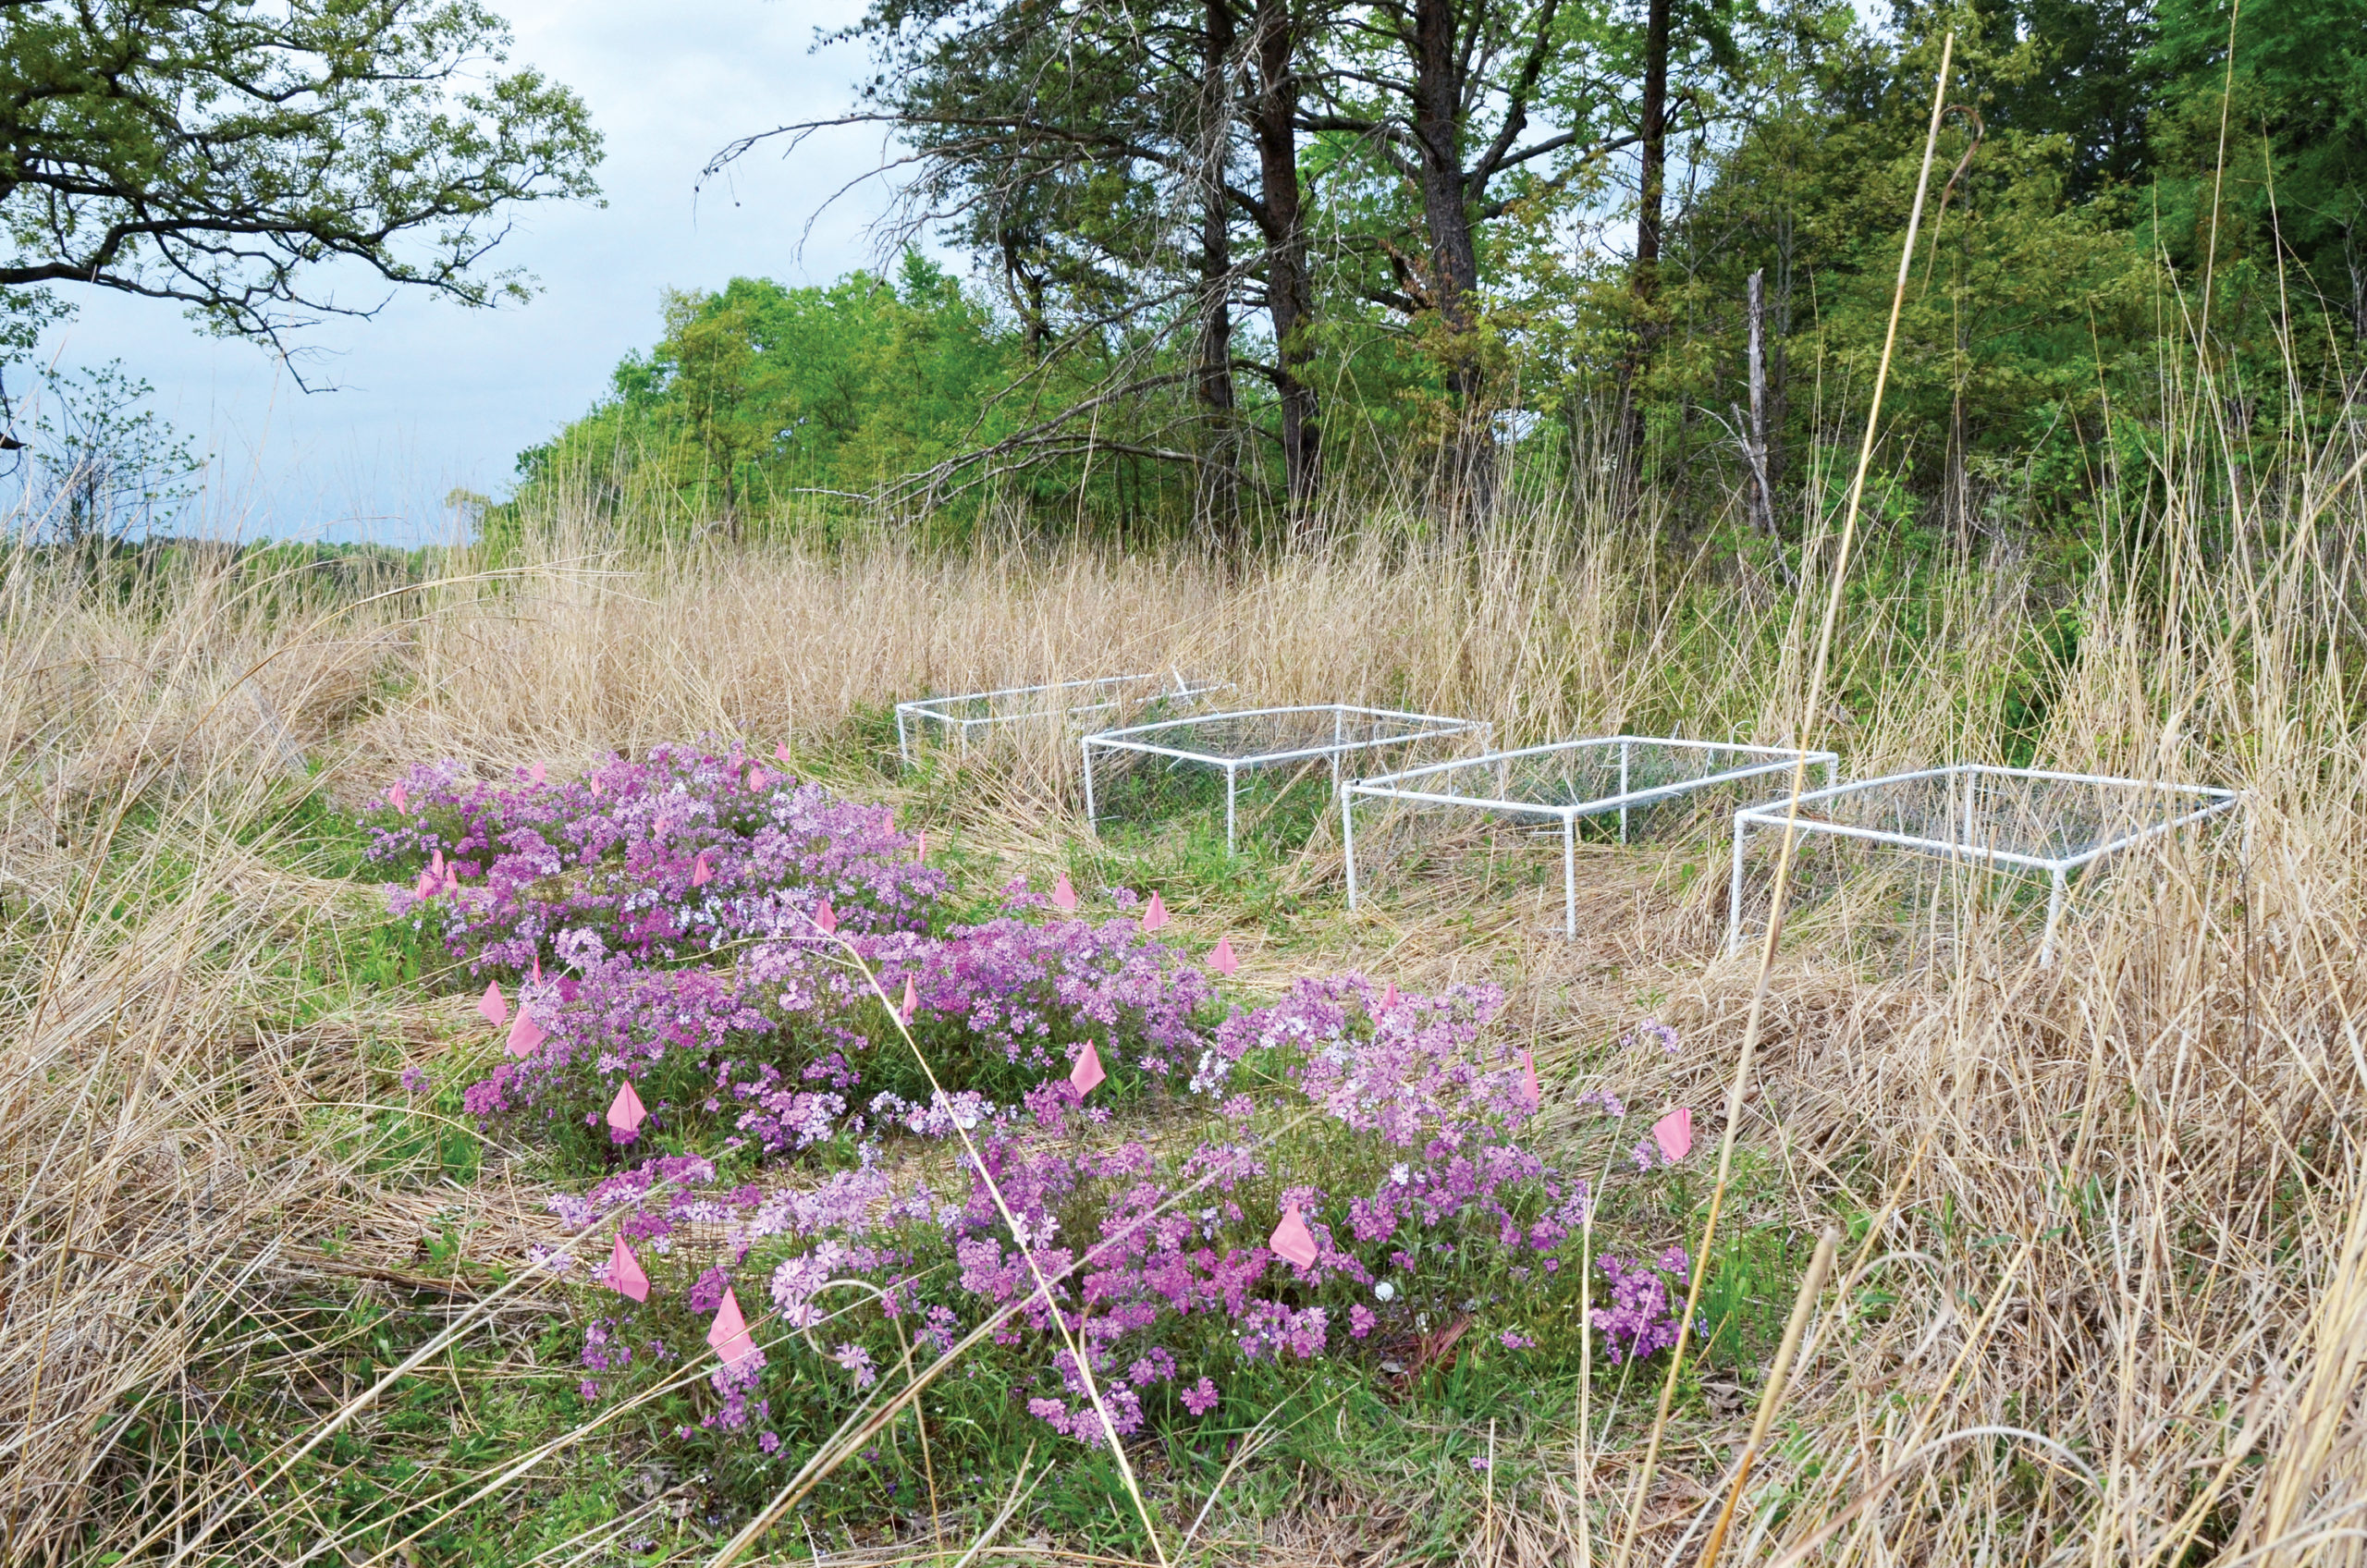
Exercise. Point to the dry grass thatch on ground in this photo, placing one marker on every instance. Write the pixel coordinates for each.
(2108, 1302)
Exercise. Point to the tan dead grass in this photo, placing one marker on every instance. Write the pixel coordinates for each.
(2119, 1200)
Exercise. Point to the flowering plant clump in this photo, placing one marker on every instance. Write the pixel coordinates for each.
(785, 1050)
(661, 860)
(1340, 1173)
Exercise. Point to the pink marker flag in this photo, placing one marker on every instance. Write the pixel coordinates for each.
(426, 888)
(435, 865)
(537, 976)
(1087, 1071)
(729, 1334)
(1154, 914)
(493, 1004)
(781, 753)
(920, 844)
(1222, 960)
(1531, 1091)
(625, 1112)
(1674, 1132)
(1292, 1240)
(1065, 895)
(534, 775)
(758, 777)
(701, 873)
(452, 882)
(1389, 997)
(398, 797)
(912, 1000)
(525, 1035)
(826, 918)
(624, 1275)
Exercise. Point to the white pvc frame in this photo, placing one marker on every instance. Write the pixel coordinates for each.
(1775, 814)
(1051, 699)
(1426, 727)
(1406, 786)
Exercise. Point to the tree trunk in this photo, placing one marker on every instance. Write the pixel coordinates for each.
(1455, 262)
(1221, 478)
(1290, 299)
(1645, 281)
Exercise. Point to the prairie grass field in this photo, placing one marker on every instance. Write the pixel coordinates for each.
(272, 1287)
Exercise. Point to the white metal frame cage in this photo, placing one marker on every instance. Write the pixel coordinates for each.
(2056, 842)
(957, 716)
(1558, 786)
(1354, 729)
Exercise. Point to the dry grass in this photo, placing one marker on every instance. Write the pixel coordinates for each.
(2115, 1207)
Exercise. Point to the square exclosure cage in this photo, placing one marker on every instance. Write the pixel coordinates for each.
(1549, 788)
(2016, 820)
(1253, 739)
(958, 720)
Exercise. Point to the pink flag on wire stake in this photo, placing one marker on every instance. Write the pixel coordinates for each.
(1154, 914)
(1087, 1071)
(1065, 895)
(525, 1035)
(424, 888)
(435, 865)
(757, 778)
(1292, 1240)
(1674, 1132)
(1389, 997)
(1531, 1092)
(920, 845)
(781, 753)
(400, 798)
(826, 918)
(537, 976)
(535, 775)
(625, 1112)
(493, 1004)
(729, 1334)
(451, 881)
(912, 1000)
(1222, 960)
(701, 873)
(624, 1275)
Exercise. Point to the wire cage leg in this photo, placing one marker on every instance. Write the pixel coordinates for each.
(1570, 878)
(1622, 790)
(1734, 893)
(1231, 796)
(2054, 917)
(1087, 747)
(1348, 840)
(904, 746)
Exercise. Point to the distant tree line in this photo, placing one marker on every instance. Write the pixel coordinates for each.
(1238, 262)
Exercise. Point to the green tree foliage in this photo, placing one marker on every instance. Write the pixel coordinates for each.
(1279, 249)
(759, 395)
(246, 159)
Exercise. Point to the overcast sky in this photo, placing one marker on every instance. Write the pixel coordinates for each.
(432, 396)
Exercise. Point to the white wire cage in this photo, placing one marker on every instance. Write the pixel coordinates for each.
(1990, 818)
(955, 720)
(1554, 787)
(1248, 740)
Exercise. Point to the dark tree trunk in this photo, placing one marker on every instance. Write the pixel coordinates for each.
(1645, 282)
(1446, 214)
(1290, 298)
(1220, 479)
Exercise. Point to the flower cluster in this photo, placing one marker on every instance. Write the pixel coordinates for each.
(794, 1161)
(1640, 1320)
(662, 860)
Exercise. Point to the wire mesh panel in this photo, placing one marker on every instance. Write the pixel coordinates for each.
(961, 720)
(2025, 823)
(1515, 804)
(1182, 763)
